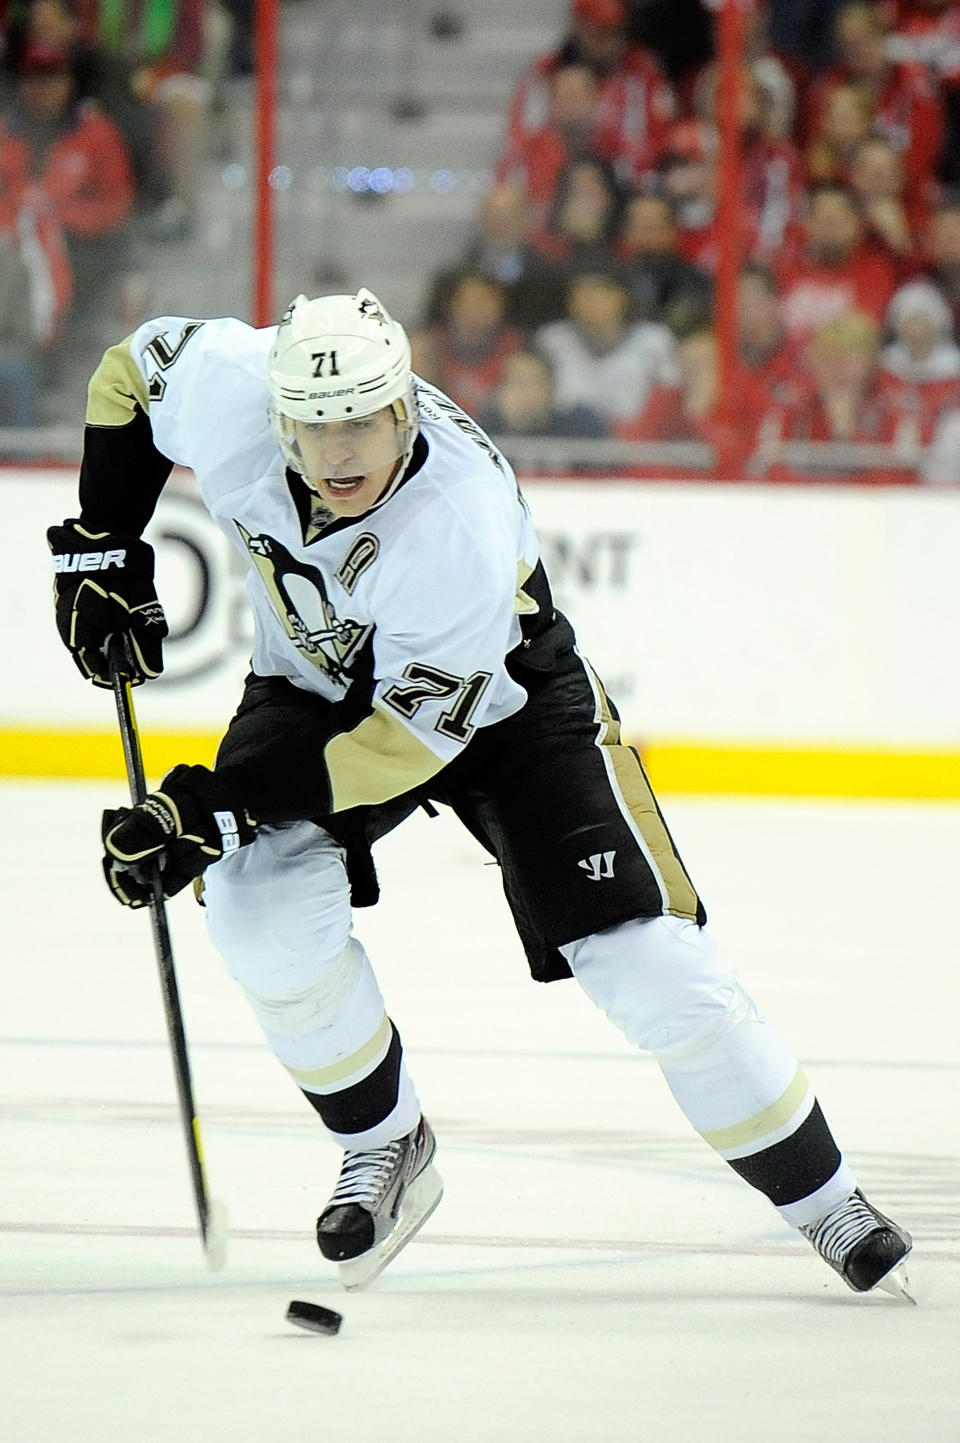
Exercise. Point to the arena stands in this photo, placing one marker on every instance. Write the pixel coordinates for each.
(488, 170)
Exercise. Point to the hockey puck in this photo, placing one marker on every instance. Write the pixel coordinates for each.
(314, 1318)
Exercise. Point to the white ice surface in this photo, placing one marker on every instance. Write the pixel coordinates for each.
(594, 1273)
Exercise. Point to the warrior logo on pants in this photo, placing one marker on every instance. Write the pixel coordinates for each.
(599, 867)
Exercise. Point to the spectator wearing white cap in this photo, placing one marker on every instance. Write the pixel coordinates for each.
(920, 365)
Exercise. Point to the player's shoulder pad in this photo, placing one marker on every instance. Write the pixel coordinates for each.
(203, 379)
(168, 345)
(437, 409)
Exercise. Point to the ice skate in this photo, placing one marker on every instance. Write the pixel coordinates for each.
(864, 1247)
(382, 1198)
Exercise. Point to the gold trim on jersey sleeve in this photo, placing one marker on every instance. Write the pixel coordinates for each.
(116, 388)
(379, 759)
(524, 605)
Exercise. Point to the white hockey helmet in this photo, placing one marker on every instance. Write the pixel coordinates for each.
(338, 359)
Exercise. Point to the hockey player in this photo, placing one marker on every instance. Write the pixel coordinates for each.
(406, 652)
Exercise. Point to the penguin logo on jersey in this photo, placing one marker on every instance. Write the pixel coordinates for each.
(299, 598)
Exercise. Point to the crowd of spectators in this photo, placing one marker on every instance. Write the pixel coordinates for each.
(583, 302)
(104, 106)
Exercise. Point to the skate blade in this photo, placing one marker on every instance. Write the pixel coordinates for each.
(897, 1284)
(419, 1202)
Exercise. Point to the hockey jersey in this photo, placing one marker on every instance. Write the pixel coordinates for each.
(419, 600)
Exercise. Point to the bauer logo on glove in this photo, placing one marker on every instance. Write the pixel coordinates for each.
(67, 561)
(103, 585)
(189, 822)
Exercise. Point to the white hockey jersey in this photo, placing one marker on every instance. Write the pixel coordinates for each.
(433, 579)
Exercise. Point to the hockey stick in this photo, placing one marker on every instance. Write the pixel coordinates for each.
(211, 1213)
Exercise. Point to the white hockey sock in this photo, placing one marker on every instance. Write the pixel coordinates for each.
(665, 984)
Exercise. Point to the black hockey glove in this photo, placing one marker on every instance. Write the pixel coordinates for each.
(104, 584)
(191, 821)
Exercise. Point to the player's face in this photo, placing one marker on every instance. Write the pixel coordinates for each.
(350, 463)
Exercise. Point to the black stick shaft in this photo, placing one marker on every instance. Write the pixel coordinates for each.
(133, 757)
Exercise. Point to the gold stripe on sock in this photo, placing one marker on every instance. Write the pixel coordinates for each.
(762, 1124)
(319, 1078)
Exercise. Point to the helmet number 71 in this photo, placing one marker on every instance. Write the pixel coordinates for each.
(326, 359)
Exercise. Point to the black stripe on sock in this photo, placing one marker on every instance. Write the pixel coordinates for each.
(795, 1167)
(367, 1102)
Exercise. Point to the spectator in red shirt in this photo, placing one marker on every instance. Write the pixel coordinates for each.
(687, 174)
(907, 109)
(772, 180)
(920, 366)
(464, 353)
(773, 174)
(844, 404)
(635, 104)
(878, 181)
(927, 33)
(536, 161)
(76, 157)
(942, 252)
(837, 269)
(771, 360)
(843, 122)
(692, 410)
(781, 77)
(74, 151)
(106, 78)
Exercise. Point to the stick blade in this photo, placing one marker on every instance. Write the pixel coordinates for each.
(215, 1240)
